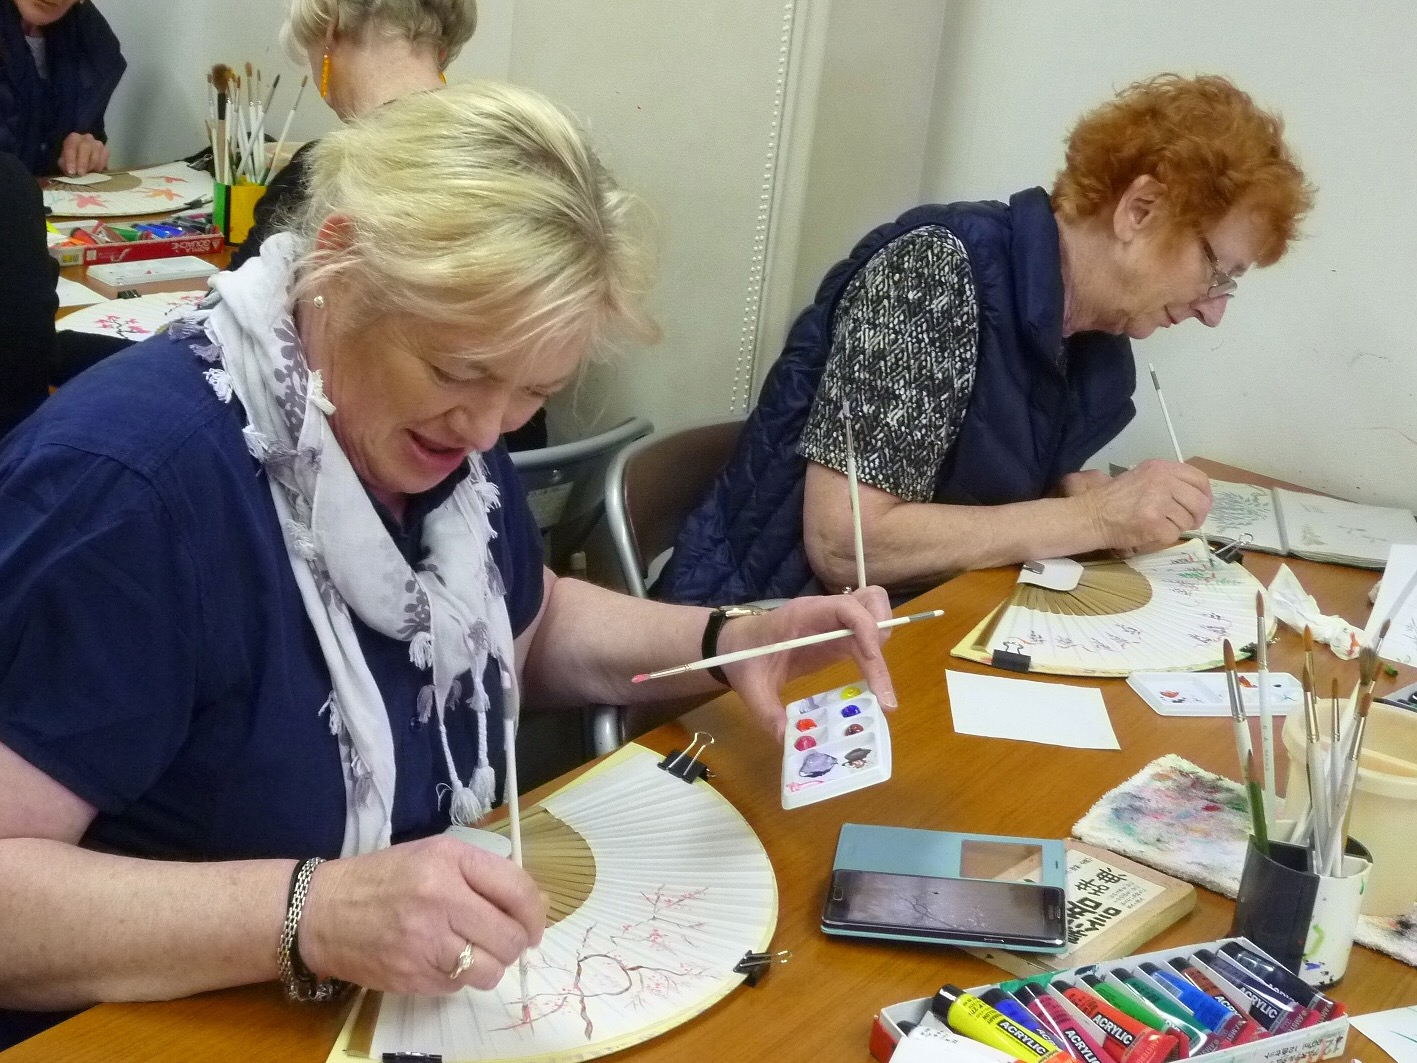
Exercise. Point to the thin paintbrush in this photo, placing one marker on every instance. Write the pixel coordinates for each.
(780, 647)
(1176, 446)
(1314, 764)
(285, 131)
(852, 486)
(1335, 740)
(1245, 751)
(221, 81)
(514, 814)
(270, 95)
(1271, 795)
(1344, 802)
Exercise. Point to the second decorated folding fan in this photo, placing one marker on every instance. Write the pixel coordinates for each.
(1167, 611)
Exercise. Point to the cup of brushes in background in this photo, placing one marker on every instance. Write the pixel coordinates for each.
(1305, 921)
(234, 209)
(1384, 808)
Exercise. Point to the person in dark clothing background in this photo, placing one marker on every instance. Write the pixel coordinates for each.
(27, 299)
(59, 65)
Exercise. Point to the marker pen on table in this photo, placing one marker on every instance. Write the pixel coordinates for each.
(1251, 1030)
(968, 1015)
(1126, 1039)
(1176, 1013)
(1285, 980)
(1217, 1017)
(1272, 1009)
(1077, 1040)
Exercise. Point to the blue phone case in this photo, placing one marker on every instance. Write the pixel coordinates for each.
(934, 854)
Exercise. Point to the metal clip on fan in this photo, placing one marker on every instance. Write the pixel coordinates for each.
(754, 966)
(691, 770)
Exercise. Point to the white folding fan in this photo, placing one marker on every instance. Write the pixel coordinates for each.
(1163, 612)
(657, 888)
(155, 190)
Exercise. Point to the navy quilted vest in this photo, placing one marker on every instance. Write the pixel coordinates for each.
(1041, 406)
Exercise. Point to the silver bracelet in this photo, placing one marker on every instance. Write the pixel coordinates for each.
(301, 984)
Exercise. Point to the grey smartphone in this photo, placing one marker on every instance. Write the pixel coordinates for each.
(950, 910)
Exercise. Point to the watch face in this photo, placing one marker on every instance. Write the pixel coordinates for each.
(730, 611)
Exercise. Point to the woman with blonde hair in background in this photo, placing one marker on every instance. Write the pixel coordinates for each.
(362, 54)
(267, 581)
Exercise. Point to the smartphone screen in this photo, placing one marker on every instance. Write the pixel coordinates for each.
(987, 911)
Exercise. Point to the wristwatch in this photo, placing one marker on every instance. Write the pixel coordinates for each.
(716, 620)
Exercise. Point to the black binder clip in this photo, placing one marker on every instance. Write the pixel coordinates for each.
(755, 965)
(692, 769)
(1014, 662)
(1230, 550)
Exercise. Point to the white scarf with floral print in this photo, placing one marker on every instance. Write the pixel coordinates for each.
(451, 610)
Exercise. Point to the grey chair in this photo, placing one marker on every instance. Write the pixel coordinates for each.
(565, 488)
(649, 489)
(565, 485)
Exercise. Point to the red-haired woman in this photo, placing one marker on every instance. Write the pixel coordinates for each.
(983, 350)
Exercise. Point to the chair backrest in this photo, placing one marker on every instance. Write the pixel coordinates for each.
(565, 485)
(652, 485)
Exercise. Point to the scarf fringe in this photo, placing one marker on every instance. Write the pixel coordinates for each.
(220, 380)
(420, 650)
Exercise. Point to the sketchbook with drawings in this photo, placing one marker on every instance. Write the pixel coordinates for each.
(1303, 525)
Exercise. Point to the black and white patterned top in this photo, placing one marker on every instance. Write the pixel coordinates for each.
(905, 345)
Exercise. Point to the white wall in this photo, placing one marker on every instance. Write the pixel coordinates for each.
(1313, 374)
(157, 113)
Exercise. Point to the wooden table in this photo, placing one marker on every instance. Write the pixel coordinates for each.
(819, 1006)
(79, 274)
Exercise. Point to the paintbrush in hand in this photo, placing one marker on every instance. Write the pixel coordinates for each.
(1176, 446)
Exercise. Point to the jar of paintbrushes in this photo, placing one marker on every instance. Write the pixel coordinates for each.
(236, 129)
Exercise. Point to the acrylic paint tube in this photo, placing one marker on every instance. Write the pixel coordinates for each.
(1127, 1040)
(963, 1048)
(1202, 1041)
(1285, 980)
(1078, 1040)
(1006, 1005)
(1251, 1030)
(1133, 1005)
(967, 1014)
(1269, 1007)
(1212, 1014)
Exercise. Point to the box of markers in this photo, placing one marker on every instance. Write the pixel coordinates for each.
(1271, 1019)
(120, 250)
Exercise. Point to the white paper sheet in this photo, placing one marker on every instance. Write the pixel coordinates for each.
(1048, 713)
(72, 293)
(1395, 1032)
(1400, 646)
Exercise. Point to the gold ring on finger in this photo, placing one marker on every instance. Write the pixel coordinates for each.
(464, 963)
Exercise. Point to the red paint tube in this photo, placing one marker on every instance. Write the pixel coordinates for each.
(1069, 1034)
(1125, 1039)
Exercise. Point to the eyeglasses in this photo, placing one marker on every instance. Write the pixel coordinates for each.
(1221, 283)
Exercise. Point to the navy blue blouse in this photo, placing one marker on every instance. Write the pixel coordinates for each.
(155, 655)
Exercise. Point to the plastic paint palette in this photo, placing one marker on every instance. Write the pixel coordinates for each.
(836, 742)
